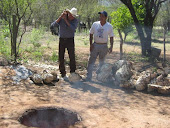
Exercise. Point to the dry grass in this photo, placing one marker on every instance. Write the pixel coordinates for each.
(49, 45)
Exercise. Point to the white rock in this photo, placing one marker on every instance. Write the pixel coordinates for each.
(140, 83)
(152, 87)
(117, 65)
(48, 78)
(55, 76)
(37, 78)
(164, 90)
(120, 63)
(123, 74)
(74, 77)
(105, 74)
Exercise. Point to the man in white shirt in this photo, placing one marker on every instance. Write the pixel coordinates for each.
(100, 30)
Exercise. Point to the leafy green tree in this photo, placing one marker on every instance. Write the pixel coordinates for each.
(46, 11)
(144, 23)
(122, 22)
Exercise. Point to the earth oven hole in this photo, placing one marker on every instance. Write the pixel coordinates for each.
(49, 118)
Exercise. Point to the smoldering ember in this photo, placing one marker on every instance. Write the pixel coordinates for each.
(34, 95)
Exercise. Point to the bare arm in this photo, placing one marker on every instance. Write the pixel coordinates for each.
(60, 17)
(91, 42)
(63, 16)
(111, 44)
(66, 20)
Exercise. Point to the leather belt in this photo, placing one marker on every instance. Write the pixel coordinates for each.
(100, 43)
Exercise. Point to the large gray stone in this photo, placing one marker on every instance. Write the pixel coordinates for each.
(37, 78)
(155, 52)
(123, 74)
(105, 74)
(118, 65)
(22, 73)
(74, 77)
(142, 81)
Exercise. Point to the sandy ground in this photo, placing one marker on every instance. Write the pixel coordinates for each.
(99, 105)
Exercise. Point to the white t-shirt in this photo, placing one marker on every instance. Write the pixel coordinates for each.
(100, 32)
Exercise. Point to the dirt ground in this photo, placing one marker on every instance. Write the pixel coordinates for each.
(100, 105)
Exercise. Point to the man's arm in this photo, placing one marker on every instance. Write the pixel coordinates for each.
(66, 20)
(91, 42)
(63, 16)
(60, 17)
(111, 44)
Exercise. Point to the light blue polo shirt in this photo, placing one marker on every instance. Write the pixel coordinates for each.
(66, 31)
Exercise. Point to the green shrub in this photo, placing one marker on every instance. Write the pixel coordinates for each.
(5, 31)
(35, 36)
(37, 55)
(54, 57)
(29, 49)
(4, 48)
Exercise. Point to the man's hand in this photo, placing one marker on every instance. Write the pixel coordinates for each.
(64, 14)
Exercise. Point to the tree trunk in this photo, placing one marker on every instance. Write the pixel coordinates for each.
(168, 25)
(148, 21)
(79, 24)
(121, 44)
(148, 31)
(88, 21)
(137, 25)
(141, 37)
(14, 39)
(164, 45)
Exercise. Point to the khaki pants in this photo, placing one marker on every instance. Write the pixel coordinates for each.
(100, 50)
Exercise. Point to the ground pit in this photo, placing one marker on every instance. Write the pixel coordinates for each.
(49, 118)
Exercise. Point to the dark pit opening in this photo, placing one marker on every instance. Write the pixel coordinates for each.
(49, 118)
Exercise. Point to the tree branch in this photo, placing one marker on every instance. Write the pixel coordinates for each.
(26, 9)
(16, 3)
(25, 22)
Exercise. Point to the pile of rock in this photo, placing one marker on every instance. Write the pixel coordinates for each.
(46, 77)
(49, 77)
(118, 72)
(123, 74)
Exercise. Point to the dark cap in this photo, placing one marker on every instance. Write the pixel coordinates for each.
(103, 12)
